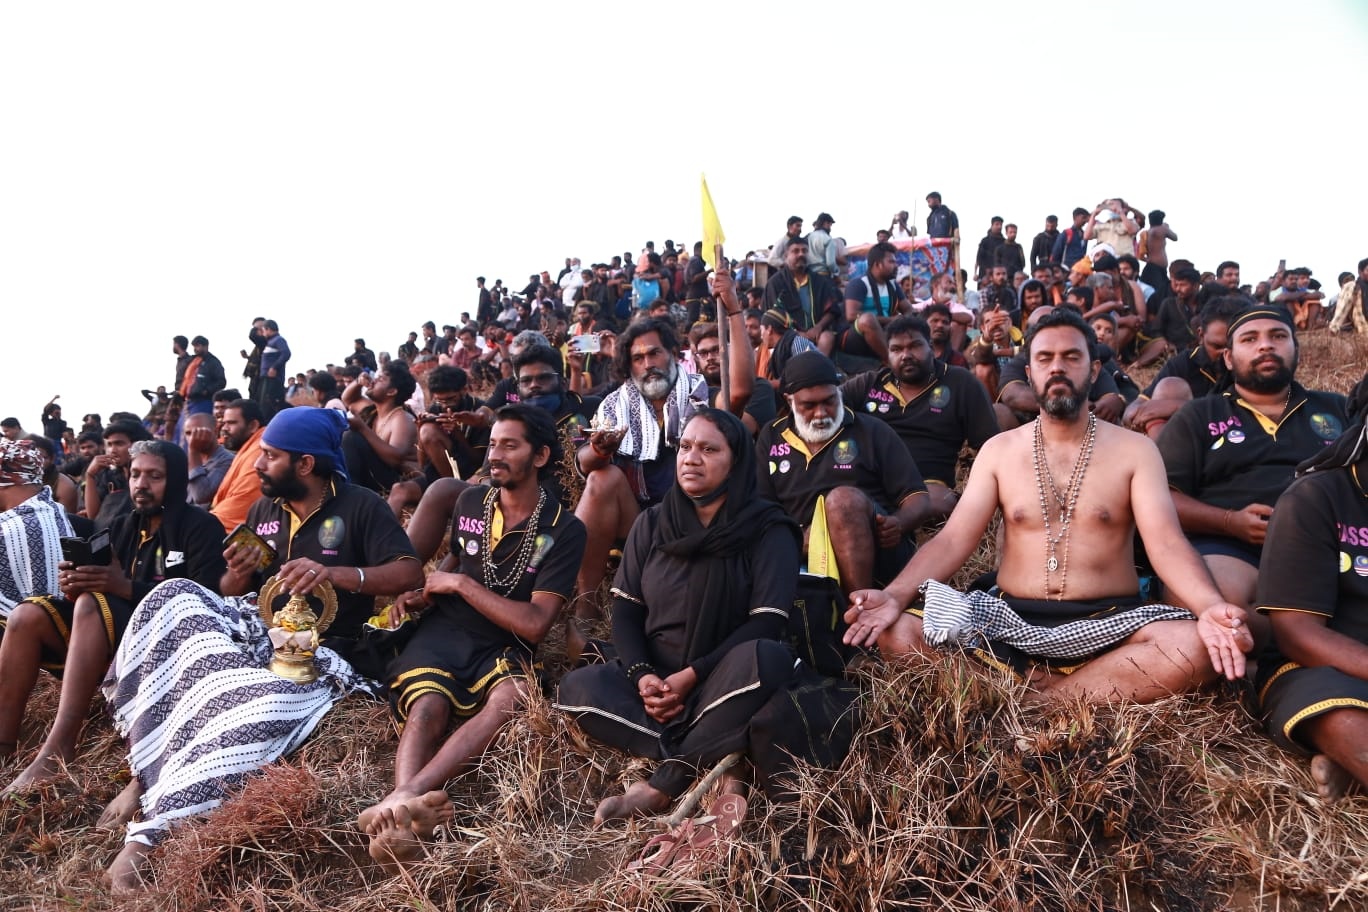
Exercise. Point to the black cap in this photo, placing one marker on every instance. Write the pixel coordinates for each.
(811, 368)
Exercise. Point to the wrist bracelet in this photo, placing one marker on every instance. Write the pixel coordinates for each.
(640, 670)
(361, 579)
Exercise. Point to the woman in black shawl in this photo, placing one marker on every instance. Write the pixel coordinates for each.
(700, 603)
(74, 634)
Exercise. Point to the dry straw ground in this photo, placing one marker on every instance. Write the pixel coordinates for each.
(954, 798)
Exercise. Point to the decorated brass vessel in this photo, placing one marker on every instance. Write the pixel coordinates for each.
(301, 628)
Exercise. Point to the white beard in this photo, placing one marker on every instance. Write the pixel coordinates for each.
(820, 430)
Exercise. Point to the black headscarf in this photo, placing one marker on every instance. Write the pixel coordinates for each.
(128, 533)
(718, 552)
(1352, 445)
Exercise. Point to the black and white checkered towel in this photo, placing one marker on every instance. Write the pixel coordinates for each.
(967, 618)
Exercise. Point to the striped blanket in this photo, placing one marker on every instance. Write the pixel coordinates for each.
(191, 689)
(30, 547)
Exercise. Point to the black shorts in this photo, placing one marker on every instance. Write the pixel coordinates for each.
(1290, 695)
(115, 612)
(444, 659)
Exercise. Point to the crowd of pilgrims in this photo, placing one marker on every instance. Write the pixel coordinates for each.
(748, 456)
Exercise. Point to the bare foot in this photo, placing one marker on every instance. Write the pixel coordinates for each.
(641, 799)
(1331, 778)
(397, 829)
(43, 769)
(575, 639)
(125, 874)
(121, 810)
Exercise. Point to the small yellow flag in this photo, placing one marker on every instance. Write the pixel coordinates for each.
(821, 559)
(712, 228)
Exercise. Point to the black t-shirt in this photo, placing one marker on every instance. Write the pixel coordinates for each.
(556, 554)
(936, 424)
(761, 405)
(866, 454)
(1196, 367)
(696, 278)
(1315, 558)
(353, 528)
(1176, 323)
(1225, 453)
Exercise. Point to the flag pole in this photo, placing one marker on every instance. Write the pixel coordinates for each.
(723, 330)
(959, 274)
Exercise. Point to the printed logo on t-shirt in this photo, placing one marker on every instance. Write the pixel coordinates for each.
(1361, 565)
(1345, 562)
(472, 547)
(1352, 535)
(1326, 426)
(1235, 435)
(871, 406)
(845, 454)
(784, 466)
(540, 546)
(1217, 428)
(940, 397)
(331, 532)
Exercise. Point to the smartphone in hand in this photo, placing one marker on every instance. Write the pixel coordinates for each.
(244, 537)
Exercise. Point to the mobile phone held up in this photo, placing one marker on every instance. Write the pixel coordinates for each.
(244, 537)
(587, 344)
(87, 552)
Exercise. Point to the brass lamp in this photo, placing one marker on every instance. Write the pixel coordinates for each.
(294, 660)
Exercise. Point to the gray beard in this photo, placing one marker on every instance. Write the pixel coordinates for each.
(658, 388)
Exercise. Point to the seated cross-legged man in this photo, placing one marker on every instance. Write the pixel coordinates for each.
(1313, 586)
(73, 634)
(1067, 617)
(515, 550)
(871, 493)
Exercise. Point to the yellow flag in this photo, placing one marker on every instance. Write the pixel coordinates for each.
(821, 559)
(712, 228)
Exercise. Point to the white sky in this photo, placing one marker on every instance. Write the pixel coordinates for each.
(348, 169)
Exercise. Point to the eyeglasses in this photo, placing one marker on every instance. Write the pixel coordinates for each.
(529, 379)
(706, 352)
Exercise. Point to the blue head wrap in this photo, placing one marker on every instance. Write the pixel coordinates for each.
(315, 431)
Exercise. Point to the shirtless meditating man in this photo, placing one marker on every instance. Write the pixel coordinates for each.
(1069, 618)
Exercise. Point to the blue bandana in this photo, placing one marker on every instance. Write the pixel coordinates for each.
(312, 431)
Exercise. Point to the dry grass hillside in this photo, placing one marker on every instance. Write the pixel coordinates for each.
(954, 798)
